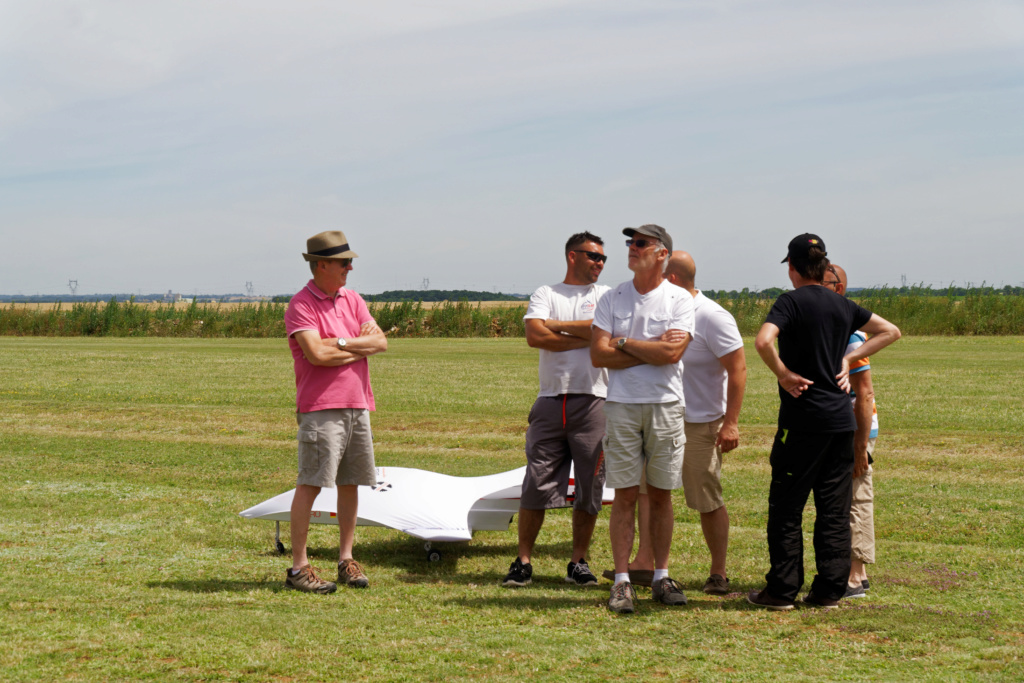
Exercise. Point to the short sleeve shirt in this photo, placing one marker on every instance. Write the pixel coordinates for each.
(323, 388)
(624, 312)
(568, 372)
(715, 334)
(856, 339)
(815, 325)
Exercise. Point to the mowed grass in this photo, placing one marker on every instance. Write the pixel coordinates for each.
(126, 461)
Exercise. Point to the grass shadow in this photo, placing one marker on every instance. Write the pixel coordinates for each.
(219, 586)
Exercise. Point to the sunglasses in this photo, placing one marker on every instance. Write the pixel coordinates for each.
(641, 243)
(345, 262)
(592, 255)
(833, 283)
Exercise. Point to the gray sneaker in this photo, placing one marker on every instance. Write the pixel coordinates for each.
(307, 581)
(668, 592)
(351, 574)
(716, 585)
(622, 598)
(855, 592)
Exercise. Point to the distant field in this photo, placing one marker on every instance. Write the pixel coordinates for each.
(229, 305)
(126, 462)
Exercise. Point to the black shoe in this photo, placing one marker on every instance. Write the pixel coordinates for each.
(519, 575)
(762, 599)
(867, 586)
(580, 574)
(811, 600)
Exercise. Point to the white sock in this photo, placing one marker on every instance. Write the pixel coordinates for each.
(619, 578)
(659, 574)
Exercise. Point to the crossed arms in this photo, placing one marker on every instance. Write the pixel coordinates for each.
(665, 350)
(318, 351)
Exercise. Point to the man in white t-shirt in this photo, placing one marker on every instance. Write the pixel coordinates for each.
(567, 420)
(641, 329)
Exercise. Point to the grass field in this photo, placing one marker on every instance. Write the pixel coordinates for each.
(126, 461)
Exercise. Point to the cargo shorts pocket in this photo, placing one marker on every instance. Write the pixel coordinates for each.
(309, 450)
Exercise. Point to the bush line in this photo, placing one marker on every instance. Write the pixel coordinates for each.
(979, 312)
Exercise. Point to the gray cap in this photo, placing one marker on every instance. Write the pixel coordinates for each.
(651, 230)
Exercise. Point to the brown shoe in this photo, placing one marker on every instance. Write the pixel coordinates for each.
(638, 577)
(716, 585)
(351, 574)
(307, 581)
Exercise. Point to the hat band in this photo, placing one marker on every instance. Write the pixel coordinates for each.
(330, 252)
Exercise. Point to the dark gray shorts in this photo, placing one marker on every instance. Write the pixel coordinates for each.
(564, 430)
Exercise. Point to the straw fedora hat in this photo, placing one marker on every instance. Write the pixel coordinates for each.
(328, 246)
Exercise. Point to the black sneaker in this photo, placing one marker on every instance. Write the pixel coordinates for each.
(762, 599)
(867, 586)
(519, 575)
(812, 600)
(580, 574)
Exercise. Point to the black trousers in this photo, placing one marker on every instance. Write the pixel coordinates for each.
(802, 463)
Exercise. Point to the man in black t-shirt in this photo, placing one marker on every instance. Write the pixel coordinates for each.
(813, 447)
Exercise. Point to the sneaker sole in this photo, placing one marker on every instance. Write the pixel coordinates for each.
(775, 608)
(717, 591)
(592, 582)
(516, 584)
(325, 591)
(622, 610)
(816, 605)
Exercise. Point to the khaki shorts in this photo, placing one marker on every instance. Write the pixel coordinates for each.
(335, 448)
(862, 515)
(644, 439)
(702, 466)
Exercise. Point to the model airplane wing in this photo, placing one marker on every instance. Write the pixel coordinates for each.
(427, 505)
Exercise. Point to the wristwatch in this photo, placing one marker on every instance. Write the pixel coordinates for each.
(621, 343)
(342, 343)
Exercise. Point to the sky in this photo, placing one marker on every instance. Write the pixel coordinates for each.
(194, 145)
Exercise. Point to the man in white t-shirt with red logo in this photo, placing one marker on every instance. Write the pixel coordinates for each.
(567, 420)
(641, 329)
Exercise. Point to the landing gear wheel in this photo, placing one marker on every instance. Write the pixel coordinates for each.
(433, 554)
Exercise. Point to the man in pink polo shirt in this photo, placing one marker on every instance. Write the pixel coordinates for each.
(331, 334)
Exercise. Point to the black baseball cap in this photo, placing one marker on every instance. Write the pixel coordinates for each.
(651, 230)
(800, 245)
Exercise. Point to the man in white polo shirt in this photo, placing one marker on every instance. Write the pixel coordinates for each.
(641, 329)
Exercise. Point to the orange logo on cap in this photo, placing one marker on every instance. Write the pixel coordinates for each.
(813, 241)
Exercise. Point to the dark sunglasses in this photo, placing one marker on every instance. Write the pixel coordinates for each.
(345, 262)
(833, 283)
(592, 255)
(640, 243)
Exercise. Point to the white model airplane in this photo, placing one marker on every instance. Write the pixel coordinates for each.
(427, 505)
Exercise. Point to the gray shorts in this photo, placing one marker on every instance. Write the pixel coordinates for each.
(644, 438)
(564, 430)
(335, 448)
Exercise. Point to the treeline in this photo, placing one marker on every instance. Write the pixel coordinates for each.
(977, 312)
(435, 295)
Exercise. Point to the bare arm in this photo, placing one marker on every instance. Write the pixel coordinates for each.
(665, 350)
(576, 328)
(863, 410)
(603, 353)
(735, 364)
(318, 352)
(540, 336)
(791, 383)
